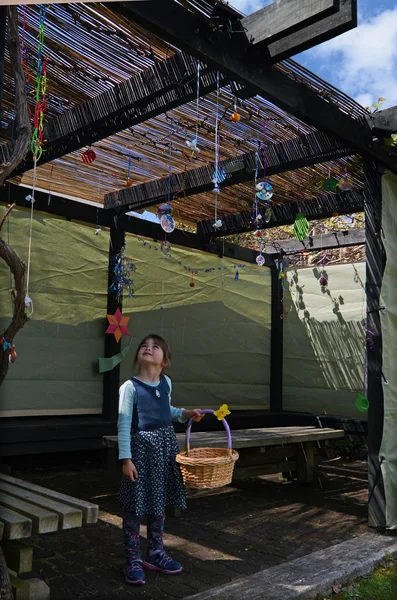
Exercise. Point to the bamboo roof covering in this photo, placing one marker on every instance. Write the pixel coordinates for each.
(90, 49)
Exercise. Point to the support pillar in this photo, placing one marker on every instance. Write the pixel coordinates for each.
(375, 266)
(111, 379)
(276, 343)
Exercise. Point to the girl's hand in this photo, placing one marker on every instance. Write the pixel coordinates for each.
(194, 414)
(129, 470)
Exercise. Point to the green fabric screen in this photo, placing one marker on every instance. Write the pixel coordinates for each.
(219, 329)
(323, 367)
(56, 367)
(388, 317)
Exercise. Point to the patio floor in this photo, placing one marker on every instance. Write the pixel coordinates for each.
(223, 535)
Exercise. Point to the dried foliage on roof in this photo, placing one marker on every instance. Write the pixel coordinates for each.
(90, 49)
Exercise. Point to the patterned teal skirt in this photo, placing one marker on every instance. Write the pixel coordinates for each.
(159, 484)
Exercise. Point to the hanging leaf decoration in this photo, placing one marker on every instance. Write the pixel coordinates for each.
(301, 227)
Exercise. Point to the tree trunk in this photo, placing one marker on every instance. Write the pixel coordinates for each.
(19, 148)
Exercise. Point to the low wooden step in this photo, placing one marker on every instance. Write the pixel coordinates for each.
(68, 516)
(89, 510)
(16, 526)
(43, 520)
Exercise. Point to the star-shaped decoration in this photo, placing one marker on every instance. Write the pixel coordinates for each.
(117, 325)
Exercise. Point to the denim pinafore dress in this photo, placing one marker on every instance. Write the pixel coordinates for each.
(153, 450)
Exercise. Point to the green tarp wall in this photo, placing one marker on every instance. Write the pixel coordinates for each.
(219, 330)
(324, 341)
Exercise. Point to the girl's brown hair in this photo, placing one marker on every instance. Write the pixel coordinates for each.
(166, 348)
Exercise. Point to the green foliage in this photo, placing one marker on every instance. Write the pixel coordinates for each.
(376, 105)
(381, 585)
(391, 142)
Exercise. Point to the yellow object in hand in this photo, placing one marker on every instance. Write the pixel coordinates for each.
(222, 412)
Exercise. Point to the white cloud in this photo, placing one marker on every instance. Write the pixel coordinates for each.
(249, 6)
(363, 61)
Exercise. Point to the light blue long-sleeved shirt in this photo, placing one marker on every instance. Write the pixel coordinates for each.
(126, 405)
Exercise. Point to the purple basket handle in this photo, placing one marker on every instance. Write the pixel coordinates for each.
(189, 427)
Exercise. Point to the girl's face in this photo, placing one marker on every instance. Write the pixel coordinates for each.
(150, 353)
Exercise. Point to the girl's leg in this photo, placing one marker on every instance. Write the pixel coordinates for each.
(132, 548)
(155, 532)
(156, 557)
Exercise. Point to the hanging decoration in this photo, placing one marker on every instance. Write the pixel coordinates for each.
(167, 223)
(264, 191)
(192, 284)
(362, 403)
(122, 271)
(165, 210)
(255, 215)
(329, 185)
(166, 252)
(344, 184)
(12, 356)
(235, 117)
(41, 88)
(219, 174)
(128, 182)
(117, 325)
(108, 364)
(88, 156)
(301, 226)
(323, 278)
(193, 144)
(36, 144)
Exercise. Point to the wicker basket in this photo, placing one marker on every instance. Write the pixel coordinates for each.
(207, 467)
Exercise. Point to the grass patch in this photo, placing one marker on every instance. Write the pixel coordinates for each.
(381, 585)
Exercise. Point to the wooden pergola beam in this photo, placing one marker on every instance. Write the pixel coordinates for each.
(301, 151)
(338, 239)
(321, 207)
(384, 122)
(279, 19)
(317, 33)
(158, 89)
(234, 56)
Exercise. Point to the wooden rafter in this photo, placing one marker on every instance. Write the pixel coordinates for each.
(233, 55)
(301, 151)
(158, 89)
(329, 241)
(321, 207)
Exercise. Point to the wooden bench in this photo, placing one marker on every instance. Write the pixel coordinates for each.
(262, 451)
(26, 508)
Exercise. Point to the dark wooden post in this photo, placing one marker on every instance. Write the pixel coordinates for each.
(3, 13)
(374, 274)
(111, 379)
(276, 343)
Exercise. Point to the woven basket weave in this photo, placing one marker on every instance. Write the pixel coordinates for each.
(207, 467)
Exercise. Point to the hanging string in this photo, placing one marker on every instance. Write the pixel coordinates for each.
(169, 169)
(216, 142)
(37, 137)
(197, 100)
(264, 149)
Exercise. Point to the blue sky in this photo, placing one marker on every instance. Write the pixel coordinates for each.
(361, 62)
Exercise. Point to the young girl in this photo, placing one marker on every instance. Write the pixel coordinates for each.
(147, 446)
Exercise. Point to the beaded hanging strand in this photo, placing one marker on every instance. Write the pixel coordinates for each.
(216, 190)
(37, 137)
